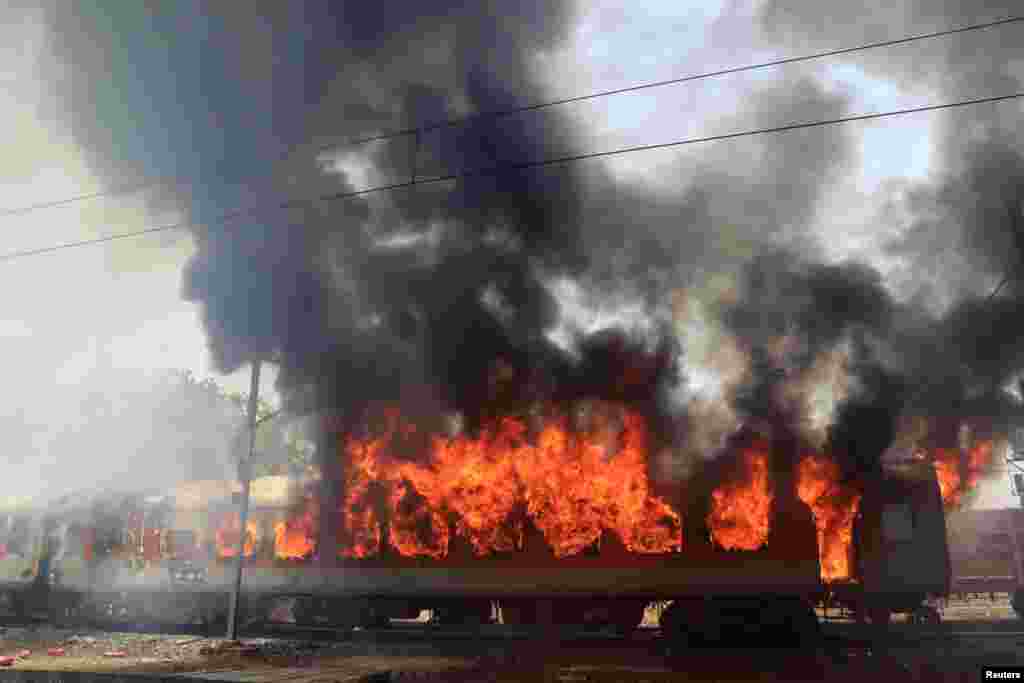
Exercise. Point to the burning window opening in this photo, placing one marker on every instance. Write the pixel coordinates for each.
(960, 469)
(573, 487)
(834, 506)
(740, 515)
(227, 536)
(575, 476)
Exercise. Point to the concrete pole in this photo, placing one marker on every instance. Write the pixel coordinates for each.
(244, 473)
(331, 472)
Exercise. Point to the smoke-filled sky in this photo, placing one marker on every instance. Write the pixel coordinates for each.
(875, 237)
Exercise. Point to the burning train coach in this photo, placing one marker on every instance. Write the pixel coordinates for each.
(552, 517)
(555, 387)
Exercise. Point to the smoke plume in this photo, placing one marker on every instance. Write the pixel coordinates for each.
(447, 295)
(946, 347)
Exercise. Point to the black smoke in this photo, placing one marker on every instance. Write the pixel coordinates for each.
(944, 345)
(442, 284)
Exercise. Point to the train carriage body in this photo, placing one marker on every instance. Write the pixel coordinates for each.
(987, 552)
(900, 540)
(19, 544)
(168, 557)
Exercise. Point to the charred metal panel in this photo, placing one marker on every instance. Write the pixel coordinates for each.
(984, 547)
(900, 533)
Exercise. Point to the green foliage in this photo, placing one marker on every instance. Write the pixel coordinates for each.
(195, 421)
(241, 401)
(735, 242)
(280, 444)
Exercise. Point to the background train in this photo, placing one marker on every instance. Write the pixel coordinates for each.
(166, 557)
(986, 550)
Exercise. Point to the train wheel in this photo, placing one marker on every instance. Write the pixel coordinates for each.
(879, 615)
(685, 624)
(63, 609)
(283, 610)
(799, 623)
(215, 624)
(374, 616)
(926, 615)
(10, 603)
(626, 615)
(519, 612)
(463, 613)
(780, 622)
(567, 612)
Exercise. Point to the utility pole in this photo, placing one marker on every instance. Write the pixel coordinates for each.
(244, 472)
(1013, 462)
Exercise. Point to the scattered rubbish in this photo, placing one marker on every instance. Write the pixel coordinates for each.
(23, 654)
(55, 652)
(115, 653)
(86, 640)
(6, 661)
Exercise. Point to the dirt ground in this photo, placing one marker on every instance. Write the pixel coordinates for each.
(158, 654)
(369, 659)
(265, 661)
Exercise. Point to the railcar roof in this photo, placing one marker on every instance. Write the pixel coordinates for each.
(15, 504)
(273, 491)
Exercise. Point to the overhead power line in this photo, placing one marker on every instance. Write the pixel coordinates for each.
(472, 118)
(495, 170)
(675, 81)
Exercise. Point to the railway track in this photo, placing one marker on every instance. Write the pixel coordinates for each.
(397, 633)
(425, 632)
(495, 653)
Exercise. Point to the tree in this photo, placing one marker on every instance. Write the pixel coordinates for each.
(281, 445)
(121, 429)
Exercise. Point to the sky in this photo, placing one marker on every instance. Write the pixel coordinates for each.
(196, 104)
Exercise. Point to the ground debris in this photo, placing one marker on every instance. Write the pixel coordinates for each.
(218, 646)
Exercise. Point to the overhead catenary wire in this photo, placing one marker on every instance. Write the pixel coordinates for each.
(491, 115)
(496, 170)
(449, 123)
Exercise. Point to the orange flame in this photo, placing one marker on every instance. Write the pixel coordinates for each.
(959, 472)
(295, 538)
(360, 523)
(834, 507)
(741, 509)
(227, 536)
(571, 486)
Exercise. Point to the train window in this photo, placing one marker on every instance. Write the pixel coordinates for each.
(898, 523)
